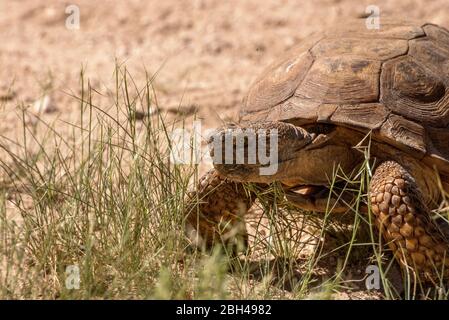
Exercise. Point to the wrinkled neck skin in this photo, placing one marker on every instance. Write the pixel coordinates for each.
(319, 158)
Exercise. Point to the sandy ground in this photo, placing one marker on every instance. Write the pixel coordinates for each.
(205, 53)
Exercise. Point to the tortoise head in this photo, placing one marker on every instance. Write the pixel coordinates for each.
(256, 152)
(264, 152)
(304, 160)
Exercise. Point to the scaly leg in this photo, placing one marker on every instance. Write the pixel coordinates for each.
(218, 216)
(405, 223)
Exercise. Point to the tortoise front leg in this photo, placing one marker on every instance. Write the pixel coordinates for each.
(215, 212)
(405, 224)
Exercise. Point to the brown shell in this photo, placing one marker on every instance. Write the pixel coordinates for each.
(393, 81)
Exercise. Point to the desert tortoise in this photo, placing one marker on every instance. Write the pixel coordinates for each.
(324, 97)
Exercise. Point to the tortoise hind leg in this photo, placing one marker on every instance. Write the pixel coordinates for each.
(405, 223)
(215, 212)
